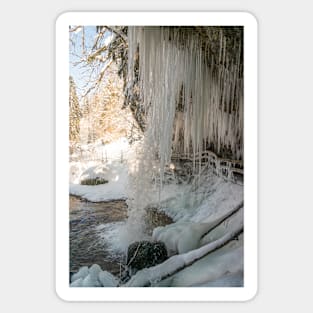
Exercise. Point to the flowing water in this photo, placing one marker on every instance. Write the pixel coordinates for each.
(86, 244)
(89, 222)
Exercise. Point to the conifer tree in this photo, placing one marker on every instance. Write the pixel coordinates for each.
(74, 113)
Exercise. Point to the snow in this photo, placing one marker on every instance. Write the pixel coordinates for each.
(216, 265)
(107, 279)
(201, 243)
(93, 277)
(196, 208)
(229, 280)
(114, 172)
(106, 161)
(183, 237)
(81, 274)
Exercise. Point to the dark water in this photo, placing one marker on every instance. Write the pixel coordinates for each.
(86, 246)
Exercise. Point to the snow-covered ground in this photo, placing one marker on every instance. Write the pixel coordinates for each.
(102, 161)
(201, 239)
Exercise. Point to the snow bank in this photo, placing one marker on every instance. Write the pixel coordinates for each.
(229, 280)
(207, 199)
(215, 267)
(114, 172)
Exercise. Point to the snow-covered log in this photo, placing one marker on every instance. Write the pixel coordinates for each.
(176, 263)
(183, 237)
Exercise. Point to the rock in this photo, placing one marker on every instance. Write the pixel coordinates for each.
(93, 181)
(143, 254)
(154, 218)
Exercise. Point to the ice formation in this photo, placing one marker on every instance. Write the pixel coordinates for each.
(193, 100)
(188, 91)
(192, 94)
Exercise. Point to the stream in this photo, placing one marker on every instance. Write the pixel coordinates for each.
(90, 231)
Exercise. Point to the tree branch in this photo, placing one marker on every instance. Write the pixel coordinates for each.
(75, 28)
(118, 33)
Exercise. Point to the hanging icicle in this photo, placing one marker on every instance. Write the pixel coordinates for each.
(191, 90)
(175, 70)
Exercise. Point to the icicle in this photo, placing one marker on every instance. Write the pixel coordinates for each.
(174, 65)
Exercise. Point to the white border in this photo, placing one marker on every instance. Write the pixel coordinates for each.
(250, 138)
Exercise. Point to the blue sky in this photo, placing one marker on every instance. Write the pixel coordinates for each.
(79, 73)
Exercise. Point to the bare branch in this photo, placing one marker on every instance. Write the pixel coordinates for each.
(118, 33)
(72, 30)
(96, 53)
(99, 79)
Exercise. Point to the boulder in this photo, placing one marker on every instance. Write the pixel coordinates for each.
(143, 254)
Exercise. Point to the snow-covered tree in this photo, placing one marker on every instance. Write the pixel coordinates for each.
(74, 112)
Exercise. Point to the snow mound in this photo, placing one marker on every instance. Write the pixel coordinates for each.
(81, 274)
(109, 171)
(107, 279)
(182, 237)
(93, 277)
(213, 269)
(229, 280)
(117, 175)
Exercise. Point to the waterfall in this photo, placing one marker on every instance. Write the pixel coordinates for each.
(191, 88)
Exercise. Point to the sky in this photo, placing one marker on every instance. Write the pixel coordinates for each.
(79, 73)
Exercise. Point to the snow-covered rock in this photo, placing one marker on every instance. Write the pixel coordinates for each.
(93, 277)
(82, 273)
(115, 173)
(77, 283)
(91, 280)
